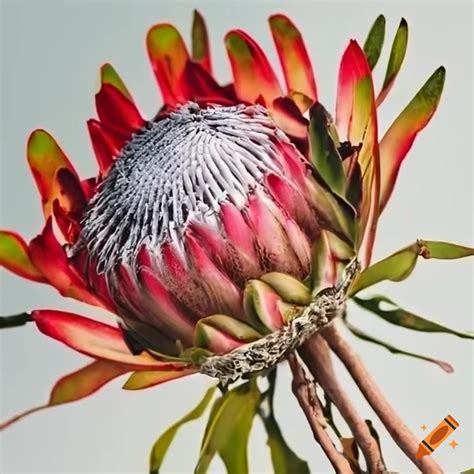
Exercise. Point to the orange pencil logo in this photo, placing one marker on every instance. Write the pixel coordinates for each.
(437, 437)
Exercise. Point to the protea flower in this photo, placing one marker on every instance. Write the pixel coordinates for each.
(216, 222)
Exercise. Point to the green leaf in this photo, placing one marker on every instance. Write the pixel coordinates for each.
(404, 318)
(399, 266)
(221, 333)
(468, 471)
(324, 155)
(161, 446)
(228, 429)
(374, 42)
(284, 459)
(289, 288)
(399, 138)
(335, 213)
(397, 55)
(394, 350)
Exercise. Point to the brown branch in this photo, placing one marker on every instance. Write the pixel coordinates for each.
(305, 393)
(394, 425)
(316, 355)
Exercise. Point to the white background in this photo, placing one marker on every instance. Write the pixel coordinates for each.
(51, 52)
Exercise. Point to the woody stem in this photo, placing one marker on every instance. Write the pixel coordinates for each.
(392, 422)
(305, 392)
(316, 355)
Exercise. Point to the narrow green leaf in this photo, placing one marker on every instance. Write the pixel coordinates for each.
(374, 42)
(289, 288)
(397, 55)
(336, 214)
(404, 318)
(446, 251)
(162, 444)
(220, 333)
(284, 459)
(324, 155)
(394, 350)
(468, 471)
(399, 138)
(228, 429)
(399, 266)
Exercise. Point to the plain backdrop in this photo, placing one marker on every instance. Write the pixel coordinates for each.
(51, 52)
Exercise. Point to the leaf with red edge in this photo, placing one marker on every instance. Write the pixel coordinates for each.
(395, 61)
(45, 158)
(200, 42)
(294, 58)
(399, 138)
(352, 105)
(221, 334)
(77, 385)
(253, 74)
(117, 112)
(168, 56)
(14, 256)
(148, 378)
(108, 75)
(95, 339)
(263, 306)
(50, 258)
(356, 113)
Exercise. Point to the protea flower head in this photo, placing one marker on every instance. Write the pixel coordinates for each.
(216, 221)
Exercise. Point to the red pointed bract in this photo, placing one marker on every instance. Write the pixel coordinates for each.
(168, 57)
(117, 111)
(253, 74)
(94, 339)
(14, 257)
(294, 59)
(50, 258)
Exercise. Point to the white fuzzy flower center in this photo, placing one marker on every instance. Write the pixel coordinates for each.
(177, 169)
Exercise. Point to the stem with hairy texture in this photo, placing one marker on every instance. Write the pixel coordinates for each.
(394, 425)
(315, 354)
(304, 391)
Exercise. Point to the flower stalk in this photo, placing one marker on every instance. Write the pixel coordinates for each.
(305, 392)
(316, 355)
(372, 393)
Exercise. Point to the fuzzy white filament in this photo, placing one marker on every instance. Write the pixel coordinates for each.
(177, 169)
